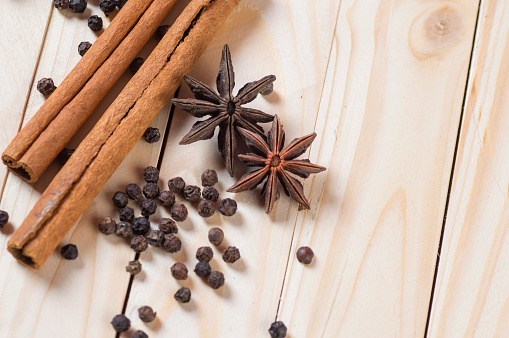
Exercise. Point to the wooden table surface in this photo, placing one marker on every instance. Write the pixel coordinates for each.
(409, 224)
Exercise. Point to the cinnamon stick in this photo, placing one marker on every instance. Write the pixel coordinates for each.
(115, 134)
(49, 130)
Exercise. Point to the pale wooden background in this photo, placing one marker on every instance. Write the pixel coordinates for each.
(408, 100)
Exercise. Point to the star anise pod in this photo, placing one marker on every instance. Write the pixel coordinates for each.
(276, 163)
(224, 109)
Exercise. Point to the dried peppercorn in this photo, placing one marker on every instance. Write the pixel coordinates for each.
(78, 6)
(204, 254)
(192, 193)
(166, 198)
(179, 271)
(183, 295)
(83, 47)
(135, 66)
(107, 226)
(228, 207)
(134, 267)
(121, 3)
(141, 226)
(120, 199)
(127, 214)
(124, 229)
(45, 86)
(151, 174)
(69, 251)
(139, 334)
(215, 279)
(176, 185)
(231, 255)
(133, 191)
(107, 6)
(209, 178)
(206, 208)
(210, 193)
(4, 218)
(216, 236)
(172, 243)
(305, 255)
(151, 190)
(168, 226)
(179, 212)
(277, 330)
(139, 243)
(61, 4)
(148, 207)
(64, 156)
(121, 323)
(155, 237)
(161, 31)
(202, 269)
(95, 23)
(152, 135)
(147, 314)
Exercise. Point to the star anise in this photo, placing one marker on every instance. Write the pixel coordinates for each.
(224, 109)
(276, 163)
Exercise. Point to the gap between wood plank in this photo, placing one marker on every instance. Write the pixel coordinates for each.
(454, 158)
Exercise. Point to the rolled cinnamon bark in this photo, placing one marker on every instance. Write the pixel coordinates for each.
(115, 134)
(47, 132)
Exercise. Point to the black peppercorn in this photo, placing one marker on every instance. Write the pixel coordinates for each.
(139, 243)
(133, 191)
(120, 199)
(135, 66)
(95, 23)
(183, 295)
(155, 237)
(231, 255)
(139, 334)
(4, 218)
(78, 6)
(121, 323)
(151, 174)
(202, 269)
(127, 214)
(176, 185)
(64, 156)
(305, 254)
(206, 208)
(124, 229)
(107, 226)
(45, 86)
(277, 330)
(209, 178)
(161, 31)
(204, 254)
(192, 193)
(151, 190)
(61, 4)
(210, 193)
(168, 226)
(228, 207)
(146, 314)
(107, 6)
(148, 207)
(166, 198)
(121, 3)
(179, 271)
(134, 267)
(172, 243)
(152, 135)
(69, 251)
(141, 226)
(216, 236)
(83, 47)
(179, 213)
(216, 279)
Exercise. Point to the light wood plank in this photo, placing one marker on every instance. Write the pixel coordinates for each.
(387, 123)
(471, 294)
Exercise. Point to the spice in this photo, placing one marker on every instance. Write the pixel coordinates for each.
(139, 244)
(127, 214)
(168, 226)
(224, 109)
(161, 31)
(276, 164)
(179, 271)
(206, 208)
(152, 135)
(277, 330)
(204, 254)
(69, 251)
(176, 185)
(120, 322)
(134, 67)
(216, 236)
(61, 4)
(139, 334)
(45, 86)
(4, 218)
(231, 255)
(95, 23)
(210, 193)
(120, 199)
(155, 237)
(151, 190)
(148, 207)
(228, 207)
(141, 226)
(64, 156)
(107, 226)
(133, 191)
(134, 267)
(146, 314)
(192, 193)
(305, 254)
(183, 295)
(151, 174)
(215, 279)
(78, 6)
(107, 6)
(179, 212)
(83, 47)
(172, 243)
(166, 198)
(209, 178)
(202, 269)
(121, 3)
(124, 229)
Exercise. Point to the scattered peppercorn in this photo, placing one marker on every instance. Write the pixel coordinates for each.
(305, 254)
(146, 314)
(107, 6)
(166, 198)
(202, 269)
(206, 208)
(120, 199)
(168, 226)
(204, 254)
(64, 156)
(127, 214)
(83, 47)
(121, 323)
(231, 255)
(78, 6)
(139, 334)
(161, 31)
(216, 236)
(133, 191)
(209, 178)
(151, 174)
(176, 185)
(4, 218)
(155, 237)
(192, 193)
(210, 193)
(107, 226)
(179, 271)
(136, 65)
(183, 295)
(172, 243)
(152, 135)
(45, 86)
(124, 229)
(141, 226)
(277, 330)
(121, 3)
(151, 190)
(139, 243)
(148, 207)
(61, 4)
(179, 212)
(69, 251)
(95, 23)
(228, 207)
(216, 279)
(134, 267)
